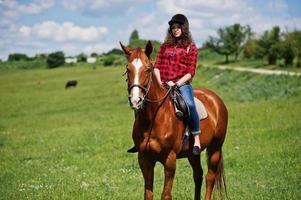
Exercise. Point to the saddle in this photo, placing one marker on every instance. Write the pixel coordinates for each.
(181, 108)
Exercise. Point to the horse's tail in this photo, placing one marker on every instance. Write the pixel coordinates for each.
(220, 181)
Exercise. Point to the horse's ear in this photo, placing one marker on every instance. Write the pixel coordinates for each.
(125, 49)
(148, 49)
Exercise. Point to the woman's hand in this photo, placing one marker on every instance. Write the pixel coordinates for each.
(170, 83)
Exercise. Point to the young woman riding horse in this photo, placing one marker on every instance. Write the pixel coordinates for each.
(176, 65)
(158, 132)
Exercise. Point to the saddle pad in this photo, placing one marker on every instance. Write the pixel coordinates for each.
(201, 109)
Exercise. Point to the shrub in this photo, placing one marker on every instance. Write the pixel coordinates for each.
(109, 60)
(55, 59)
(17, 57)
(82, 57)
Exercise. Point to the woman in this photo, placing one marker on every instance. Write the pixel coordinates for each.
(176, 64)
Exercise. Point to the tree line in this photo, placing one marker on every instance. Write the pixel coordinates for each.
(273, 45)
(53, 60)
(234, 41)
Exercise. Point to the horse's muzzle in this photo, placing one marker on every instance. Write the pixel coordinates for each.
(136, 103)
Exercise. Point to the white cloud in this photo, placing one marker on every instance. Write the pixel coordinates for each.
(25, 31)
(102, 7)
(66, 31)
(201, 8)
(278, 5)
(259, 25)
(74, 5)
(98, 47)
(35, 7)
(11, 9)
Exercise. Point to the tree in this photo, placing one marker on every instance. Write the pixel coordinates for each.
(269, 42)
(287, 49)
(134, 36)
(240, 35)
(230, 40)
(114, 51)
(296, 45)
(253, 50)
(82, 57)
(40, 56)
(55, 59)
(17, 57)
(135, 41)
(94, 54)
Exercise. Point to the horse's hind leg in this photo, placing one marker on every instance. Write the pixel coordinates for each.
(195, 163)
(214, 158)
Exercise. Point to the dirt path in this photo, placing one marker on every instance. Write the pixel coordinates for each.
(260, 71)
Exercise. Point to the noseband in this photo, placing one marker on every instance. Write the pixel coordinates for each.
(144, 89)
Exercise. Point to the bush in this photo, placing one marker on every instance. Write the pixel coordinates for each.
(82, 57)
(17, 57)
(55, 59)
(109, 60)
(114, 51)
(35, 64)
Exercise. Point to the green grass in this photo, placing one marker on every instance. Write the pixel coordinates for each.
(71, 144)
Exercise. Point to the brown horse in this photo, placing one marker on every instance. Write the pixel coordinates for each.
(157, 132)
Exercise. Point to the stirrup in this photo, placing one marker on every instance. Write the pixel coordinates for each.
(178, 112)
(185, 138)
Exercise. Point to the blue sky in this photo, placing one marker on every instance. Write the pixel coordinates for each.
(76, 26)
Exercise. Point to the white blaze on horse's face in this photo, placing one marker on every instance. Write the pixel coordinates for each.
(135, 99)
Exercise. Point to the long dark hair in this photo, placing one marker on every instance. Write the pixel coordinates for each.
(185, 39)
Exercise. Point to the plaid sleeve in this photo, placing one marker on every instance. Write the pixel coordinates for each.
(192, 59)
(159, 58)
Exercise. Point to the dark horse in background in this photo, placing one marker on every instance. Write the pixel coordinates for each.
(158, 133)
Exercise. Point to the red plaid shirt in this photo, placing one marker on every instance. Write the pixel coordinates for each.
(175, 62)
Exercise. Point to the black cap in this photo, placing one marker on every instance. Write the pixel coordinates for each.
(178, 18)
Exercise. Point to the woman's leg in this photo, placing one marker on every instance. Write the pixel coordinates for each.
(194, 121)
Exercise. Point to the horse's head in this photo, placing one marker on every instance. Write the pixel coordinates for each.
(139, 76)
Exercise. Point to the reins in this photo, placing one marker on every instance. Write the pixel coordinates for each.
(158, 100)
(161, 100)
(145, 99)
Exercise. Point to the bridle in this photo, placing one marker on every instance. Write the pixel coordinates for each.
(146, 89)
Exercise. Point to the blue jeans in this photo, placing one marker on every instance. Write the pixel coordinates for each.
(194, 121)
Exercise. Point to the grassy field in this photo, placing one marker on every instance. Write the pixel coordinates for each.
(71, 144)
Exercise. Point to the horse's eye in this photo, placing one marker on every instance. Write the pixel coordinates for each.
(148, 69)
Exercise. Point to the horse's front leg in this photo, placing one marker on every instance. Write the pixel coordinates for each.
(147, 168)
(169, 172)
